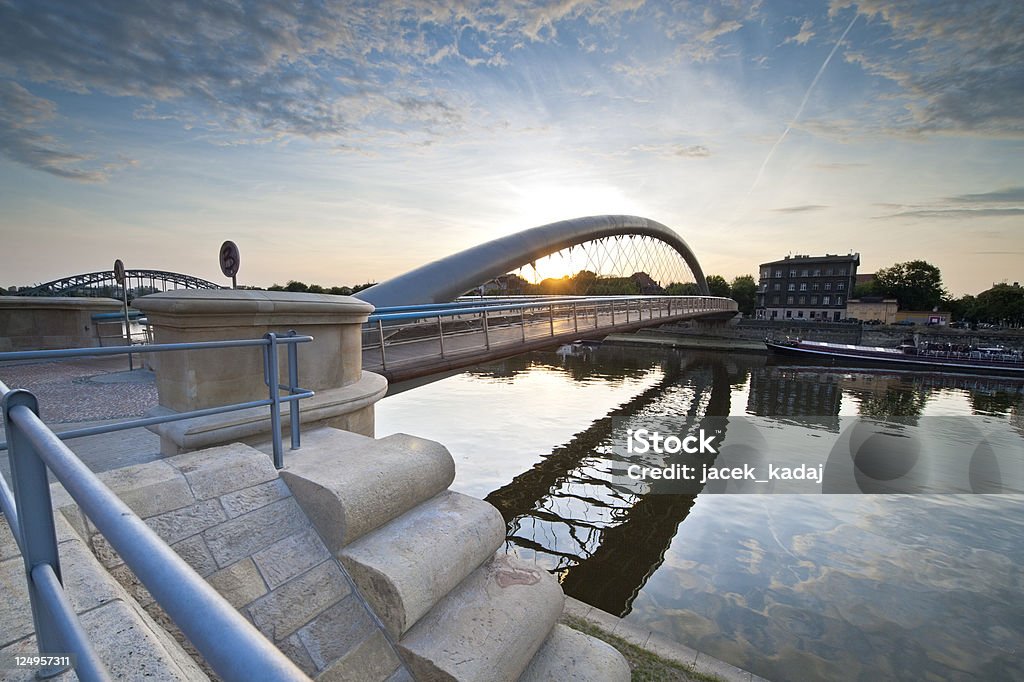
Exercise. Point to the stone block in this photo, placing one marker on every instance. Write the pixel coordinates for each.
(8, 545)
(291, 556)
(196, 554)
(568, 655)
(244, 535)
(86, 583)
(292, 647)
(185, 522)
(219, 470)
(336, 631)
(371, 660)
(239, 583)
(131, 583)
(299, 601)
(149, 489)
(248, 499)
(487, 628)
(15, 610)
(350, 484)
(103, 551)
(406, 566)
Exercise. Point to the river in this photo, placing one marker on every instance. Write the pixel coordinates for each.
(922, 583)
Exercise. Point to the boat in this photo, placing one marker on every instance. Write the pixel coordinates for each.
(909, 354)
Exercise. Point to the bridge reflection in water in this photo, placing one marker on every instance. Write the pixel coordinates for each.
(604, 541)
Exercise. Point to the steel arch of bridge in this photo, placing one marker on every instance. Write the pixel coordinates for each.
(445, 279)
(105, 278)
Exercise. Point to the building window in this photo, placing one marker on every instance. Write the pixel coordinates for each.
(803, 273)
(817, 273)
(803, 299)
(792, 273)
(825, 299)
(775, 313)
(828, 286)
(803, 286)
(799, 313)
(789, 300)
(778, 286)
(792, 287)
(842, 271)
(814, 300)
(840, 285)
(775, 299)
(789, 313)
(814, 287)
(778, 273)
(812, 314)
(839, 300)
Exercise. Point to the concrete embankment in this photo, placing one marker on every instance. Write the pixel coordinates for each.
(749, 335)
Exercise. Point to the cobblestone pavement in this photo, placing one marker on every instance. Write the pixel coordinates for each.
(86, 392)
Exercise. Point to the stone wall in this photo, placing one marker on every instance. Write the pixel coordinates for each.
(42, 323)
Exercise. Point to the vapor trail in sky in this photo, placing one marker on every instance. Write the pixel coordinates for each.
(803, 103)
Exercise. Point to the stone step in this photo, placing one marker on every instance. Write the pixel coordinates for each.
(568, 655)
(489, 627)
(350, 484)
(406, 566)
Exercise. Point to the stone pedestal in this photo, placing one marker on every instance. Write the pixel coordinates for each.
(330, 365)
(44, 323)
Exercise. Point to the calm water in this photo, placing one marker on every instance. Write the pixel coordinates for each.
(792, 587)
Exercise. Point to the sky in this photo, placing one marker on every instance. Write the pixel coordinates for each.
(339, 143)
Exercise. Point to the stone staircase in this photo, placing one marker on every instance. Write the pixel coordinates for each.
(428, 562)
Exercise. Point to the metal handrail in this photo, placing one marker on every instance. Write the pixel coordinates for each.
(427, 322)
(232, 646)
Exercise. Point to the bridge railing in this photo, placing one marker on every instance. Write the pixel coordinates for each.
(232, 646)
(409, 333)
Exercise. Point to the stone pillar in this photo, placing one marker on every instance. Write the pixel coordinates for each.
(47, 323)
(330, 365)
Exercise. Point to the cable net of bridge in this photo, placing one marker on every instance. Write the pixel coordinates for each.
(623, 264)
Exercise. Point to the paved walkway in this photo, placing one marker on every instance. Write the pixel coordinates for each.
(86, 392)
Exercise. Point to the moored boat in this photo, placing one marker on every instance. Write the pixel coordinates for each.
(944, 357)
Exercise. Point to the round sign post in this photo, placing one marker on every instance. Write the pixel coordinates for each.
(120, 279)
(229, 261)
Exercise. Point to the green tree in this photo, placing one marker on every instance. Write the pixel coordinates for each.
(1003, 304)
(916, 284)
(295, 285)
(717, 286)
(682, 289)
(744, 292)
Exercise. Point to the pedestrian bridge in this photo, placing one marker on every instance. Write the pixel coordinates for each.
(405, 342)
(423, 323)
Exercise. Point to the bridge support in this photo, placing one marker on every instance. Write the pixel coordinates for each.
(331, 365)
(37, 323)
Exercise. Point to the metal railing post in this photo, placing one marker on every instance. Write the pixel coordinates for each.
(383, 357)
(627, 312)
(271, 372)
(522, 321)
(440, 334)
(575, 318)
(551, 318)
(612, 307)
(38, 538)
(293, 388)
(487, 332)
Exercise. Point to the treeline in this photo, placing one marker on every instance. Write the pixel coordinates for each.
(917, 285)
(743, 289)
(295, 285)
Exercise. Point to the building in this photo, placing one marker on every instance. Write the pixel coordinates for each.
(806, 287)
(868, 308)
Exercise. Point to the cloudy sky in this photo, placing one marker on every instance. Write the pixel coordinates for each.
(345, 142)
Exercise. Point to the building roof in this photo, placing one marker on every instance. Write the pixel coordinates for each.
(827, 258)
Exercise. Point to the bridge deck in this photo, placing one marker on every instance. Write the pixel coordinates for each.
(439, 341)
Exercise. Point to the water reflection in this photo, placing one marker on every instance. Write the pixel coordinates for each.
(791, 587)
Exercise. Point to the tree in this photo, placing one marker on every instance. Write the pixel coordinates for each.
(682, 289)
(717, 286)
(916, 284)
(1002, 304)
(744, 292)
